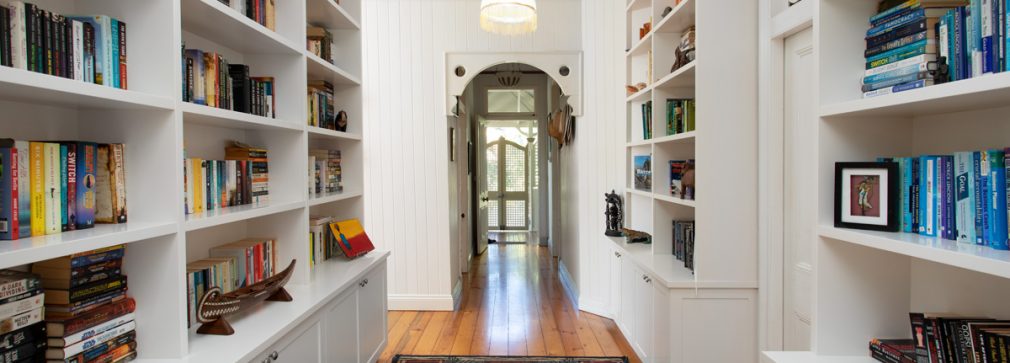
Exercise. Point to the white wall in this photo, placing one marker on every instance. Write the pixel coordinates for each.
(406, 204)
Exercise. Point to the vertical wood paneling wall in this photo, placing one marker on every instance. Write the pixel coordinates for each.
(406, 208)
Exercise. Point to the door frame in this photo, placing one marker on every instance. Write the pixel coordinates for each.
(773, 29)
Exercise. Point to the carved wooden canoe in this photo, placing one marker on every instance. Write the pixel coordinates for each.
(214, 305)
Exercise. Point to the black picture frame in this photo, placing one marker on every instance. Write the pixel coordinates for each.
(886, 221)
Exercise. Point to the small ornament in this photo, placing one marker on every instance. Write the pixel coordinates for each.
(341, 121)
(615, 214)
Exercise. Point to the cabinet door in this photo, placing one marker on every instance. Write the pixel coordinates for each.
(304, 348)
(643, 314)
(614, 293)
(372, 314)
(341, 326)
(626, 319)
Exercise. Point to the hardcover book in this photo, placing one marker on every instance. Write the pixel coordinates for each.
(643, 172)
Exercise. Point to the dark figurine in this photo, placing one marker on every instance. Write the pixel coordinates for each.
(615, 214)
(341, 121)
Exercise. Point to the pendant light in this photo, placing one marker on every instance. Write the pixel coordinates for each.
(508, 17)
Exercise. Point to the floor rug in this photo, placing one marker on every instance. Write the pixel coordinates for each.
(501, 359)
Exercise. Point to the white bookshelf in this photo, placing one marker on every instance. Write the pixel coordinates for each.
(158, 127)
(722, 290)
(867, 282)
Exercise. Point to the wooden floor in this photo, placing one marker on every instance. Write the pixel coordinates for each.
(513, 304)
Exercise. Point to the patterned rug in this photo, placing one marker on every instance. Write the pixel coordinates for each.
(499, 359)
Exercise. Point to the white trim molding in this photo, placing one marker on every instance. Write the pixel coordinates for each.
(548, 62)
(566, 280)
(401, 302)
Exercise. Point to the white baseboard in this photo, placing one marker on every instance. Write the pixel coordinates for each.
(457, 294)
(596, 308)
(421, 302)
(566, 280)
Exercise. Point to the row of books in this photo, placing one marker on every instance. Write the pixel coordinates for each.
(243, 178)
(325, 175)
(209, 79)
(320, 101)
(947, 338)
(683, 243)
(960, 197)
(319, 41)
(678, 170)
(88, 315)
(22, 329)
(973, 38)
(901, 44)
(647, 120)
(51, 187)
(230, 266)
(261, 11)
(85, 48)
(680, 116)
(323, 243)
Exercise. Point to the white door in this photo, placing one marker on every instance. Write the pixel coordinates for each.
(614, 271)
(303, 349)
(341, 324)
(482, 198)
(507, 185)
(372, 314)
(799, 214)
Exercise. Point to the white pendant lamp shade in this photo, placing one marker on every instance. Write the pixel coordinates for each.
(508, 17)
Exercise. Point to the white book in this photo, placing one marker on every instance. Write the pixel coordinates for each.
(22, 306)
(58, 353)
(22, 320)
(917, 60)
(90, 332)
(19, 42)
(78, 38)
(239, 6)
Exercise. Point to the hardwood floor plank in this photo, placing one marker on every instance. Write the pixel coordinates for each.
(513, 303)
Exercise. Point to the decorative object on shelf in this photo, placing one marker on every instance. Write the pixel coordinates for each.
(631, 89)
(215, 306)
(641, 85)
(866, 196)
(643, 172)
(351, 238)
(645, 29)
(341, 121)
(508, 17)
(615, 214)
(685, 52)
(637, 236)
(687, 181)
(667, 11)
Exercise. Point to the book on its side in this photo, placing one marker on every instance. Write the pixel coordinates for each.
(99, 329)
(59, 328)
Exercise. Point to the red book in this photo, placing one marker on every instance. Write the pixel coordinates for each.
(258, 262)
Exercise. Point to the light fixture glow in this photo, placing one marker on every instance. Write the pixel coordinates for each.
(508, 17)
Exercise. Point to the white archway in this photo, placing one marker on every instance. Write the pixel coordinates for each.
(548, 62)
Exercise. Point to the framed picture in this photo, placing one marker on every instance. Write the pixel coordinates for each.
(866, 196)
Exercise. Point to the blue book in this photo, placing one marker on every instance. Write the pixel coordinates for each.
(927, 195)
(899, 72)
(114, 72)
(905, 170)
(986, 35)
(975, 37)
(914, 197)
(997, 204)
(1006, 30)
(904, 52)
(949, 203)
(199, 95)
(883, 16)
(64, 215)
(938, 200)
(905, 17)
(8, 191)
(977, 159)
(87, 158)
(965, 197)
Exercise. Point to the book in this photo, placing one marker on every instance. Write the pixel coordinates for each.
(22, 353)
(9, 192)
(101, 350)
(82, 293)
(643, 172)
(23, 320)
(69, 165)
(53, 194)
(87, 160)
(80, 347)
(96, 330)
(84, 258)
(72, 310)
(117, 175)
(57, 278)
(24, 189)
(997, 211)
(33, 301)
(15, 283)
(31, 333)
(58, 328)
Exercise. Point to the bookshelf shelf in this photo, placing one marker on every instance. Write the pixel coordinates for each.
(681, 78)
(329, 14)
(679, 19)
(678, 201)
(641, 96)
(987, 91)
(642, 46)
(319, 68)
(639, 143)
(332, 197)
(686, 137)
(319, 133)
(967, 256)
(640, 193)
(637, 4)
(218, 217)
(211, 116)
(216, 21)
(270, 321)
(26, 86)
(33, 249)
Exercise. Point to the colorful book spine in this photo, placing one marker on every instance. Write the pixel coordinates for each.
(916, 191)
(52, 191)
(950, 205)
(71, 190)
(978, 197)
(93, 331)
(38, 188)
(24, 189)
(927, 193)
(905, 169)
(997, 201)
(64, 216)
(87, 158)
(9, 192)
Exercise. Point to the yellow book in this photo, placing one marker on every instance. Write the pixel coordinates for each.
(38, 192)
(53, 193)
(198, 185)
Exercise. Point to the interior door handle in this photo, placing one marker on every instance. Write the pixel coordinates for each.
(483, 199)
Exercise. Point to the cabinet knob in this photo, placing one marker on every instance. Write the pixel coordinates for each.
(274, 355)
(266, 360)
(366, 281)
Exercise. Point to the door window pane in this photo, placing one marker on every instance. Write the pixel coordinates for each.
(510, 100)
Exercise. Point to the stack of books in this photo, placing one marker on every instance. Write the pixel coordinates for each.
(680, 116)
(322, 242)
(326, 174)
(677, 170)
(959, 197)
(902, 45)
(209, 79)
(85, 48)
(319, 41)
(647, 120)
(22, 330)
(321, 111)
(231, 266)
(947, 338)
(87, 180)
(88, 316)
(260, 11)
(683, 242)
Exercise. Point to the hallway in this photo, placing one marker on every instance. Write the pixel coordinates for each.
(513, 304)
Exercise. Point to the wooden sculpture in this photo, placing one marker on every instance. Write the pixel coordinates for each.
(214, 306)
